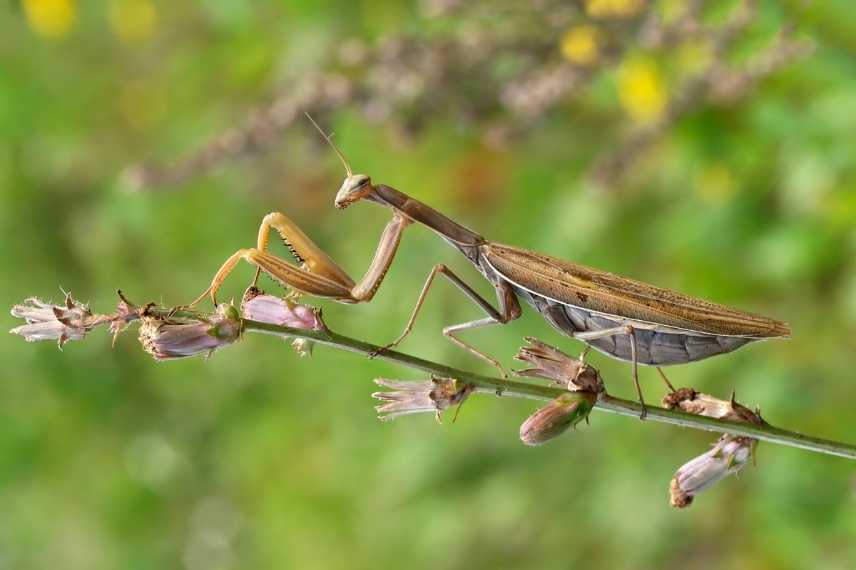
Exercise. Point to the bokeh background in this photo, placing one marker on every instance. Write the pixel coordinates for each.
(707, 147)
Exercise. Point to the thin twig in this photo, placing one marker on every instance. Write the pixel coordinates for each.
(178, 332)
(502, 387)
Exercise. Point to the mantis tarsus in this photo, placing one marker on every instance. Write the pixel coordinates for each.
(623, 318)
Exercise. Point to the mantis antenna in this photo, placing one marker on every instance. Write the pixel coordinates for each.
(330, 142)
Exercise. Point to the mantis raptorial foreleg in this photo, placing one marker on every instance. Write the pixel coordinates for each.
(312, 257)
(509, 309)
(319, 275)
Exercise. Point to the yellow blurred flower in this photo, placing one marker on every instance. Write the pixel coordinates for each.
(671, 10)
(50, 18)
(133, 20)
(693, 56)
(580, 45)
(641, 90)
(141, 104)
(614, 8)
(715, 183)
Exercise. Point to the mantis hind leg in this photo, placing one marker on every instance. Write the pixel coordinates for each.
(666, 380)
(509, 309)
(631, 332)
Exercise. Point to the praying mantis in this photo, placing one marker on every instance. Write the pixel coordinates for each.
(626, 319)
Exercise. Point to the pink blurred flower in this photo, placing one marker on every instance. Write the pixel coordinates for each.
(259, 306)
(277, 311)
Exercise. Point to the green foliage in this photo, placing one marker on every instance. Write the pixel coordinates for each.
(260, 459)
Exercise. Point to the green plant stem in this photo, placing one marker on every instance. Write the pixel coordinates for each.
(502, 387)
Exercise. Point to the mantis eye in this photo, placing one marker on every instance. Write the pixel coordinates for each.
(360, 181)
(354, 188)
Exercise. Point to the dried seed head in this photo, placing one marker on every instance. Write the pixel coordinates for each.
(553, 364)
(413, 397)
(167, 339)
(727, 457)
(125, 313)
(258, 306)
(556, 417)
(692, 402)
(46, 321)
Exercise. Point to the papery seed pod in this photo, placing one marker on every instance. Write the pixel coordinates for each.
(167, 339)
(413, 397)
(556, 417)
(553, 364)
(727, 457)
(61, 323)
(692, 402)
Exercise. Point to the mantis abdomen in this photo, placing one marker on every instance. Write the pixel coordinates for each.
(658, 346)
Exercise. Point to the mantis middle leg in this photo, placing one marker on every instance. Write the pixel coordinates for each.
(509, 309)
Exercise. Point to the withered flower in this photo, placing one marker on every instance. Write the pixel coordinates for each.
(727, 457)
(413, 397)
(259, 306)
(693, 402)
(126, 312)
(166, 338)
(46, 321)
(556, 417)
(553, 364)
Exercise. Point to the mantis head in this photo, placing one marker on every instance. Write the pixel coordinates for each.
(356, 186)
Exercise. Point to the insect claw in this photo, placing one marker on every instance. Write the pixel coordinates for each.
(175, 310)
(376, 352)
(501, 369)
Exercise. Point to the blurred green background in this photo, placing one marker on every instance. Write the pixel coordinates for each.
(256, 458)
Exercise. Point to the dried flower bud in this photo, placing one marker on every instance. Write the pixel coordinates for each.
(556, 417)
(125, 313)
(692, 402)
(53, 322)
(258, 306)
(413, 397)
(553, 364)
(166, 339)
(727, 457)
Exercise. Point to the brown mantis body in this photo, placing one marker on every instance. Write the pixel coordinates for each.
(623, 318)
